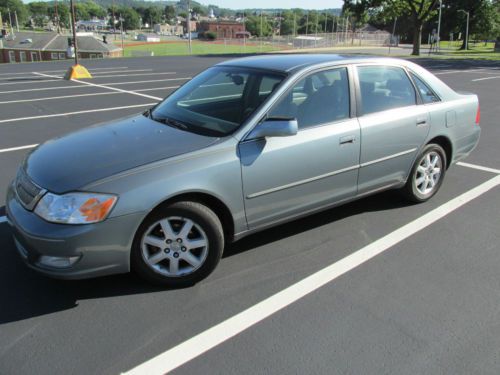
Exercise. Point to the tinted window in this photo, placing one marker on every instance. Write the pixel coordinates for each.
(426, 93)
(217, 101)
(319, 98)
(384, 87)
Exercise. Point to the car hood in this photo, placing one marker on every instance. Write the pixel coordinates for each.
(77, 159)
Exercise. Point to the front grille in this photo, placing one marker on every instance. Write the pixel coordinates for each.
(27, 191)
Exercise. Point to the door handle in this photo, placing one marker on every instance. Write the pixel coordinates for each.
(347, 139)
(421, 122)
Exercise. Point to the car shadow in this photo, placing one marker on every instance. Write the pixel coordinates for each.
(26, 294)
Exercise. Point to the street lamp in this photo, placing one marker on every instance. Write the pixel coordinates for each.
(466, 29)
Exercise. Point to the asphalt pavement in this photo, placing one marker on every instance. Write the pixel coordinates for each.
(430, 304)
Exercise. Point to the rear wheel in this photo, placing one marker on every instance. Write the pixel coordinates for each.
(427, 174)
(179, 245)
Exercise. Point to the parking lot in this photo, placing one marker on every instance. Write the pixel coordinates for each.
(395, 288)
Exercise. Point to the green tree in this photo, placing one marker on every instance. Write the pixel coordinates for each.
(39, 12)
(169, 12)
(418, 12)
(81, 12)
(62, 13)
(152, 15)
(258, 25)
(131, 19)
(16, 6)
(95, 10)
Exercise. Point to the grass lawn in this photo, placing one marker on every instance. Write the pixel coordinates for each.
(451, 50)
(199, 48)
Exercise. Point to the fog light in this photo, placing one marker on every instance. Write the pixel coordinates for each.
(57, 262)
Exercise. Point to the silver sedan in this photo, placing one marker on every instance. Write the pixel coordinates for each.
(245, 145)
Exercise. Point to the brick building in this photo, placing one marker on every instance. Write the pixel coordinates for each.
(31, 46)
(223, 29)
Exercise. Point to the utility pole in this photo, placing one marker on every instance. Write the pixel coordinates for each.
(439, 25)
(75, 44)
(121, 33)
(189, 27)
(57, 18)
(114, 19)
(294, 24)
(393, 32)
(17, 23)
(10, 22)
(261, 30)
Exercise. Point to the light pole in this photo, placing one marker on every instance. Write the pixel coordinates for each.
(466, 29)
(189, 28)
(73, 28)
(439, 25)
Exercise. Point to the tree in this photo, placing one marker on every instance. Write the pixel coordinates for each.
(169, 12)
(95, 10)
(62, 13)
(16, 6)
(418, 11)
(152, 15)
(81, 13)
(39, 12)
(253, 25)
(131, 19)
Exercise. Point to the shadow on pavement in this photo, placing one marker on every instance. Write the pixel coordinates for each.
(26, 294)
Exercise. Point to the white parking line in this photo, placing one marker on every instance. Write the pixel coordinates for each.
(110, 83)
(76, 113)
(484, 79)
(479, 167)
(18, 148)
(62, 71)
(216, 335)
(122, 71)
(136, 75)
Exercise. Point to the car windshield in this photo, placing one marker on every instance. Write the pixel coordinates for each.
(217, 101)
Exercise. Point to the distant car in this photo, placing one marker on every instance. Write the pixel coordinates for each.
(245, 145)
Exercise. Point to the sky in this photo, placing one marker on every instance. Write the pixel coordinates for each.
(285, 4)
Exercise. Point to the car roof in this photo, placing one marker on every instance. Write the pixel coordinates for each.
(294, 62)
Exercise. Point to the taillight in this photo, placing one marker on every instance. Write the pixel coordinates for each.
(478, 115)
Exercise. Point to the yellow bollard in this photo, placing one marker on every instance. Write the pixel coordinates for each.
(77, 72)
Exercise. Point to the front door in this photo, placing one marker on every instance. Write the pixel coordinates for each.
(287, 176)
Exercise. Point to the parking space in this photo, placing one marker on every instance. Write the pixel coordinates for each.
(429, 305)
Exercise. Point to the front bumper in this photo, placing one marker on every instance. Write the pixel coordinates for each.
(102, 248)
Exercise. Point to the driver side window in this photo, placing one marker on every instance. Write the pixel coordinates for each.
(319, 98)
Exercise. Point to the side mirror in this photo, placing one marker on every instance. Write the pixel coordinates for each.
(275, 127)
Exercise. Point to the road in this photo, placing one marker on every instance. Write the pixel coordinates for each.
(429, 303)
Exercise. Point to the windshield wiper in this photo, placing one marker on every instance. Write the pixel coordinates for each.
(170, 122)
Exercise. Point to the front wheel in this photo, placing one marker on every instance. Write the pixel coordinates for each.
(427, 174)
(179, 245)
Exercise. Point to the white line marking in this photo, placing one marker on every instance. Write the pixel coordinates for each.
(62, 71)
(3, 219)
(117, 90)
(136, 75)
(110, 83)
(76, 113)
(29, 81)
(479, 167)
(484, 79)
(18, 148)
(231, 327)
(83, 95)
(60, 97)
(122, 71)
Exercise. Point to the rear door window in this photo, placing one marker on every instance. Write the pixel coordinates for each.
(383, 88)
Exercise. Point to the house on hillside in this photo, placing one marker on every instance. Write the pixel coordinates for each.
(166, 29)
(223, 29)
(31, 46)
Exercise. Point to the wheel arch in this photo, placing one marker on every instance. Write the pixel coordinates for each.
(212, 202)
(445, 143)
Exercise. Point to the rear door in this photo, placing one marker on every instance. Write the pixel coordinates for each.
(393, 127)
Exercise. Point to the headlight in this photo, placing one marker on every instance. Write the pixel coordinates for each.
(75, 208)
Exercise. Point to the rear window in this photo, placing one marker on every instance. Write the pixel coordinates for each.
(384, 87)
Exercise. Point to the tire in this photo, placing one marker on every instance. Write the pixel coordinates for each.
(178, 245)
(418, 186)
